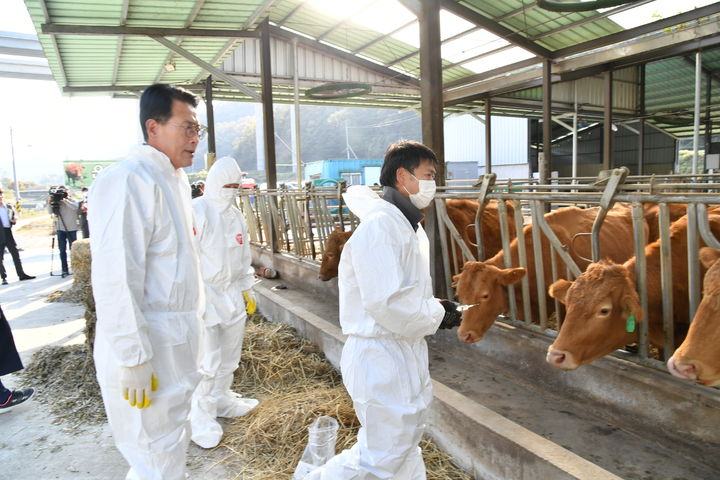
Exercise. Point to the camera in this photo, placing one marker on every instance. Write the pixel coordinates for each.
(197, 189)
(57, 194)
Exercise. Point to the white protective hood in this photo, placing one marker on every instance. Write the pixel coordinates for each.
(223, 172)
(362, 201)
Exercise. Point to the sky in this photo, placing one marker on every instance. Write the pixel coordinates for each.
(48, 127)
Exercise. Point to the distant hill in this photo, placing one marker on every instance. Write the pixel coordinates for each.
(370, 132)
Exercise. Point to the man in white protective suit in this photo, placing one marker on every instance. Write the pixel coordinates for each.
(386, 309)
(225, 260)
(147, 287)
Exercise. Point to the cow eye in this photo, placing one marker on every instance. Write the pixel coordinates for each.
(604, 311)
(486, 296)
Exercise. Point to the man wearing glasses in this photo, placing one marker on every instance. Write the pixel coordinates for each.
(146, 283)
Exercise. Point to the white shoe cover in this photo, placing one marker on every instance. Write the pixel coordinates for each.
(209, 435)
(232, 405)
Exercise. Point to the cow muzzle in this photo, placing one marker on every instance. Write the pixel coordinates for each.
(561, 359)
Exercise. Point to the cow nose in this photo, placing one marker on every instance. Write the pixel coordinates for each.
(555, 358)
(466, 336)
(561, 359)
(681, 369)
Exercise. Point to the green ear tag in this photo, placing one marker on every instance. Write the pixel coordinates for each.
(630, 323)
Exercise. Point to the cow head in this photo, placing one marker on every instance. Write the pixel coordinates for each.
(598, 319)
(483, 284)
(331, 255)
(698, 358)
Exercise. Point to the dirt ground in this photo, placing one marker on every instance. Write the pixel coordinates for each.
(35, 445)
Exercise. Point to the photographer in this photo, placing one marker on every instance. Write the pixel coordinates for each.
(66, 212)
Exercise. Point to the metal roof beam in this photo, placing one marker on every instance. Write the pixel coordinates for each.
(479, 77)
(123, 88)
(442, 42)
(54, 42)
(632, 33)
(292, 12)
(644, 50)
(216, 72)
(383, 37)
(494, 27)
(261, 10)
(586, 20)
(188, 22)
(120, 40)
(349, 57)
(346, 21)
(58, 29)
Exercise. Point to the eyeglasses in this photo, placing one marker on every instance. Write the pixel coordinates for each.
(192, 129)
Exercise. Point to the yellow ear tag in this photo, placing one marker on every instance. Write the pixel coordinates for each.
(630, 323)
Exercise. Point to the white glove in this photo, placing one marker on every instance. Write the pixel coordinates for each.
(137, 383)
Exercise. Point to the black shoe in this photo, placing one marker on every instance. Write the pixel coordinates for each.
(27, 277)
(4, 281)
(64, 274)
(16, 398)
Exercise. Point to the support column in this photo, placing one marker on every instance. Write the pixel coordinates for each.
(267, 102)
(212, 152)
(696, 123)
(641, 147)
(296, 118)
(607, 127)
(488, 136)
(545, 160)
(268, 122)
(431, 83)
(432, 125)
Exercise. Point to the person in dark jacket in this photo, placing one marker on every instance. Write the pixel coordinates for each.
(7, 220)
(10, 362)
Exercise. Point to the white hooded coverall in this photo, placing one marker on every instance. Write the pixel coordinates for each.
(386, 308)
(225, 263)
(146, 285)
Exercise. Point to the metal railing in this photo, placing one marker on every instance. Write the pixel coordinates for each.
(302, 219)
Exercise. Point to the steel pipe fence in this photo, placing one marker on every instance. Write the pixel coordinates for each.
(303, 219)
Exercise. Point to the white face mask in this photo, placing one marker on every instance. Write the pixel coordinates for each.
(425, 194)
(228, 193)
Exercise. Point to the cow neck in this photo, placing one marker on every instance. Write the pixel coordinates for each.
(410, 211)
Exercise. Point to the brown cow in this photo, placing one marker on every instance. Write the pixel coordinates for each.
(483, 283)
(651, 213)
(600, 302)
(331, 255)
(462, 214)
(698, 358)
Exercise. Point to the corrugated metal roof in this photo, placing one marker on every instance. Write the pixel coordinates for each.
(478, 36)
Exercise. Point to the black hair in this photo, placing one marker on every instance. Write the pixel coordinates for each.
(405, 154)
(156, 103)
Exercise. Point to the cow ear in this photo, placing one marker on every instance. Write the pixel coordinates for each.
(455, 280)
(338, 229)
(559, 289)
(708, 256)
(631, 305)
(511, 276)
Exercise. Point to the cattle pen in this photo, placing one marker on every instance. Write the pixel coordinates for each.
(630, 390)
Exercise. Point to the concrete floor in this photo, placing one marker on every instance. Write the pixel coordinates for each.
(544, 412)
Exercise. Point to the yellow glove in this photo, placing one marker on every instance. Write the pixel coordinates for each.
(137, 383)
(250, 302)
